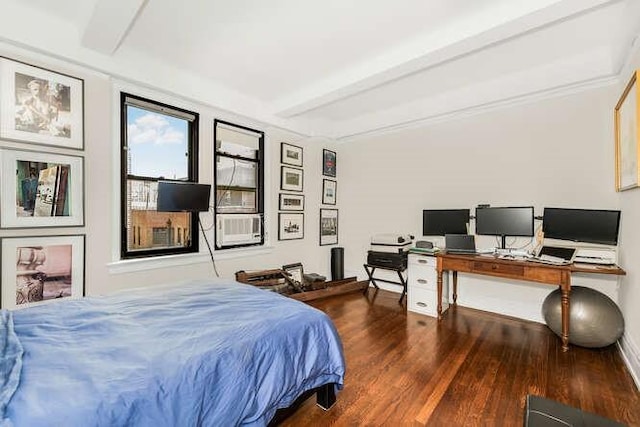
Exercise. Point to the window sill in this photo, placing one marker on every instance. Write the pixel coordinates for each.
(241, 252)
(152, 263)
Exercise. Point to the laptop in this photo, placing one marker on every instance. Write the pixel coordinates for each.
(460, 243)
(562, 255)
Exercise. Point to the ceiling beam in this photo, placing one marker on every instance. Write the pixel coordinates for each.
(110, 23)
(465, 37)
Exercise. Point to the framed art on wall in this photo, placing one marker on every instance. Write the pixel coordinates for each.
(291, 179)
(329, 192)
(37, 270)
(328, 227)
(40, 106)
(290, 154)
(40, 189)
(290, 226)
(291, 202)
(627, 136)
(328, 163)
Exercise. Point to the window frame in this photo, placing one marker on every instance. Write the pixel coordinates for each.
(192, 167)
(260, 180)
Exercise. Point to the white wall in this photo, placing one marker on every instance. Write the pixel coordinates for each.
(629, 202)
(556, 152)
(104, 272)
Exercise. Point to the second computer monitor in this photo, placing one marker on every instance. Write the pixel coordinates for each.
(438, 222)
(505, 221)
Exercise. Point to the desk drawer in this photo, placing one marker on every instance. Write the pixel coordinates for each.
(425, 302)
(424, 282)
(498, 268)
(426, 278)
(422, 260)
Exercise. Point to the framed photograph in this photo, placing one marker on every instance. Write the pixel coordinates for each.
(40, 106)
(295, 272)
(627, 116)
(328, 163)
(291, 202)
(290, 154)
(329, 189)
(290, 226)
(38, 270)
(41, 189)
(328, 227)
(291, 178)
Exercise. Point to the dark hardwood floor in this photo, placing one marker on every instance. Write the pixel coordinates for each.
(471, 369)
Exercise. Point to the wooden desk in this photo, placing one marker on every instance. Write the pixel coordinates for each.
(557, 275)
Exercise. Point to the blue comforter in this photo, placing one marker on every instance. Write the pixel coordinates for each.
(198, 353)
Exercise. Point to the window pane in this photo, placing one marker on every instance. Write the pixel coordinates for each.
(234, 173)
(236, 201)
(157, 144)
(149, 229)
(237, 142)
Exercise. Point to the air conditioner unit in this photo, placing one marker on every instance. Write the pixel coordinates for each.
(238, 229)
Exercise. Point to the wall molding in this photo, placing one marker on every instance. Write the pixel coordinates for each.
(631, 357)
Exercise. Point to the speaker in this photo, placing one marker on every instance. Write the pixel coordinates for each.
(337, 263)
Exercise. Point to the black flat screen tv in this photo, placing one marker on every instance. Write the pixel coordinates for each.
(438, 222)
(177, 196)
(582, 225)
(505, 221)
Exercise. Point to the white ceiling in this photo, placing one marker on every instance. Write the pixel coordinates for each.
(338, 68)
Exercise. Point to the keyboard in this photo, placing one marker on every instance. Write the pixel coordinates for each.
(461, 252)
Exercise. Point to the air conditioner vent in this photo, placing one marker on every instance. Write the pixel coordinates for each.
(238, 229)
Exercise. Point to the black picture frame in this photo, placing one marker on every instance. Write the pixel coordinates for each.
(329, 192)
(291, 154)
(290, 226)
(328, 227)
(291, 202)
(328, 163)
(295, 273)
(291, 179)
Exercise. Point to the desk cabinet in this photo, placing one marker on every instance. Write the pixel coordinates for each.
(422, 285)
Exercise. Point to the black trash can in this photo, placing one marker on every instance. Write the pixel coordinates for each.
(337, 263)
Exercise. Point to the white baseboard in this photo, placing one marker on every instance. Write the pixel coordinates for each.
(631, 356)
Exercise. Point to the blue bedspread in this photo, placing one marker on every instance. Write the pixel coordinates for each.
(197, 353)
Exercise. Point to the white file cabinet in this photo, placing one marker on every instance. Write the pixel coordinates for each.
(422, 285)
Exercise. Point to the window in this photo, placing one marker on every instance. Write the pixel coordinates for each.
(239, 185)
(158, 142)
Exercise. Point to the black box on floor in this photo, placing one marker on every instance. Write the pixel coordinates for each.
(387, 259)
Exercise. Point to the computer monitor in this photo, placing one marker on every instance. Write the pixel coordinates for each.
(438, 222)
(179, 196)
(582, 225)
(504, 221)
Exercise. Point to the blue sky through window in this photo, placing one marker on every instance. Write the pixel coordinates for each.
(157, 144)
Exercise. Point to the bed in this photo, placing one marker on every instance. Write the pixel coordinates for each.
(195, 353)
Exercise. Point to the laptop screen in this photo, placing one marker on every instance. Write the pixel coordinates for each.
(460, 242)
(558, 252)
